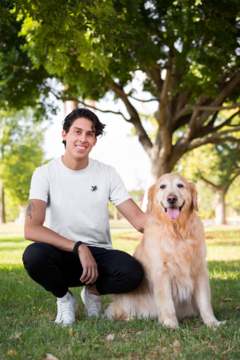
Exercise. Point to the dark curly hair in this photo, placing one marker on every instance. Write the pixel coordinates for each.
(83, 113)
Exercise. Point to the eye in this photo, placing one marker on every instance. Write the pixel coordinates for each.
(162, 186)
(180, 185)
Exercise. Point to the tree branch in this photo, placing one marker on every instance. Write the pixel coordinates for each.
(87, 105)
(200, 107)
(154, 99)
(231, 180)
(164, 132)
(212, 185)
(8, 32)
(210, 129)
(154, 74)
(230, 85)
(215, 139)
(187, 136)
(120, 91)
(134, 118)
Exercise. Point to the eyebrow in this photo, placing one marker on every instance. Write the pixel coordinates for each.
(90, 131)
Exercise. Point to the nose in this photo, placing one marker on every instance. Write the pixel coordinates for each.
(171, 199)
(83, 137)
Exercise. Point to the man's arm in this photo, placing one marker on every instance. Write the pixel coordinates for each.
(35, 231)
(133, 214)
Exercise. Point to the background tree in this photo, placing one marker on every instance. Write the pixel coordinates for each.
(21, 152)
(217, 166)
(233, 199)
(188, 54)
(21, 84)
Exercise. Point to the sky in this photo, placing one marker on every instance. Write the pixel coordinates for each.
(116, 148)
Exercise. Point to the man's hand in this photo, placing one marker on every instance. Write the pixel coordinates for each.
(89, 265)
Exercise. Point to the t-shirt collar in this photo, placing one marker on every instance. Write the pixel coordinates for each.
(74, 172)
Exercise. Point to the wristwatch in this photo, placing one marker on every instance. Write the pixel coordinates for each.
(76, 246)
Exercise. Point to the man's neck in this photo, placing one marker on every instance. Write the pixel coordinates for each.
(73, 163)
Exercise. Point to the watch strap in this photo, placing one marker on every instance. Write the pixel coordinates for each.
(76, 246)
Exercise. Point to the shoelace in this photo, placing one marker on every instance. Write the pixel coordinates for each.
(64, 309)
(94, 308)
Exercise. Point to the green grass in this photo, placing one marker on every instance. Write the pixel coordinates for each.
(27, 329)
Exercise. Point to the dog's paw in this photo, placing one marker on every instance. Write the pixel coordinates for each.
(214, 323)
(171, 323)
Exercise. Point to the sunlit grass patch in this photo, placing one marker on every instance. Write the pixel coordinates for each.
(27, 329)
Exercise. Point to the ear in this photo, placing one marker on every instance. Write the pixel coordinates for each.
(64, 135)
(151, 191)
(194, 195)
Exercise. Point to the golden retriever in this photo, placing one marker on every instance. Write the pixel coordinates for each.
(173, 255)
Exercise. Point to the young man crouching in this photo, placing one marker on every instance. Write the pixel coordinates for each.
(75, 247)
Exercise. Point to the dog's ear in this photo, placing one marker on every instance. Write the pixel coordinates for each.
(194, 195)
(150, 199)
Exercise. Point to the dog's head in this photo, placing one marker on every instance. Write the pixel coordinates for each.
(172, 195)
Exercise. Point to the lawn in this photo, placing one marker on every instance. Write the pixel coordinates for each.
(27, 329)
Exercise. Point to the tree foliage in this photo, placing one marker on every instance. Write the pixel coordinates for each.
(188, 52)
(21, 84)
(217, 166)
(21, 152)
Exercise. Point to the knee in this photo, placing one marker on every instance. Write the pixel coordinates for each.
(133, 273)
(34, 256)
(137, 273)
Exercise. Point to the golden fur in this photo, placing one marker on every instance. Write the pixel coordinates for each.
(173, 255)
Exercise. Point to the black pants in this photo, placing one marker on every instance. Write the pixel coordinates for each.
(57, 270)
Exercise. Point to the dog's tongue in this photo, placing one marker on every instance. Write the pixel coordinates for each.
(173, 212)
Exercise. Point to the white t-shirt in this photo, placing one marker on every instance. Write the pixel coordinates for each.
(77, 200)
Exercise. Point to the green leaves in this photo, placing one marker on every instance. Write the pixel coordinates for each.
(21, 152)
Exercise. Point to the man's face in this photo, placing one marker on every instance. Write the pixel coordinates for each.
(80, 139)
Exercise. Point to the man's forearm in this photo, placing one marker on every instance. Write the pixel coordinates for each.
(133, 214)
(40, 233)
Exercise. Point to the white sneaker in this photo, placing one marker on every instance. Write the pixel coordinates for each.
(93, 303)
(67, 306)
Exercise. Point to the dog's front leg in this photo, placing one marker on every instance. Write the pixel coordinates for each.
(164, 301)
(202, 297)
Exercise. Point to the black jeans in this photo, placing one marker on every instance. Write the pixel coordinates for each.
(57, 270)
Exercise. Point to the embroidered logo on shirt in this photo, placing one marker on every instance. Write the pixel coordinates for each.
(94, 188)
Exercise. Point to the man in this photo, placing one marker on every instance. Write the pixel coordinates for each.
(75, 248)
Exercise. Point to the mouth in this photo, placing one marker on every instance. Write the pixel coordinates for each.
(81, 148)
(173, 212)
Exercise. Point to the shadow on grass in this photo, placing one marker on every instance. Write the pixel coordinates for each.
(13, 248)
(13, 244)
(12, 240)
(222, 235)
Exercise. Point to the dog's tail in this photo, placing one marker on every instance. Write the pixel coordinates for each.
(116, 311)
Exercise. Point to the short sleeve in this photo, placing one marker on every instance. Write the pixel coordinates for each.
(117, 192)
(39, 185)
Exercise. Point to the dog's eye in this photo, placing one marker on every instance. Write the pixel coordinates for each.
(180, 185)
(162, 186)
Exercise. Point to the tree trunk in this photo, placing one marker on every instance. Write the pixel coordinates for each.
(160, 167)
(220, 208)
(21, 213)
(235, 216)
(3, 207)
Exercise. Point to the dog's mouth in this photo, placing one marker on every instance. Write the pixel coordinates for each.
(173, 212)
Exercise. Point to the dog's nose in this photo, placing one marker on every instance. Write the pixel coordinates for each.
(171, 199)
